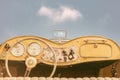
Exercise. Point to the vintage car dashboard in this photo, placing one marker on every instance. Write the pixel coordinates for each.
(33, 49)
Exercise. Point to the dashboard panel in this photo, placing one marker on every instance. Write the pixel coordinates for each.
(75, 51)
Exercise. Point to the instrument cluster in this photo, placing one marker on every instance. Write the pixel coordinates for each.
(63, 54)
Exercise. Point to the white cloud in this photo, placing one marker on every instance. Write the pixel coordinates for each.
(60, 15)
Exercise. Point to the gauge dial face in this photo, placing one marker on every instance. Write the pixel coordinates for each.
(34, 49)
(18, 49)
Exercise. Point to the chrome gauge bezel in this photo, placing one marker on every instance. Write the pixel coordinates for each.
(34, 49)
(18, 49)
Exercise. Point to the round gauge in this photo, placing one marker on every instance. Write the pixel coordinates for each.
(34, 49)
(18, 50)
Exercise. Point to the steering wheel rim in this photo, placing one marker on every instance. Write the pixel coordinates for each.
(54, 65)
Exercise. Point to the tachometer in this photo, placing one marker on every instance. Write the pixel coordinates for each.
(34, 49)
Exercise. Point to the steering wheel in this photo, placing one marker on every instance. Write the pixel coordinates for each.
(31, 61)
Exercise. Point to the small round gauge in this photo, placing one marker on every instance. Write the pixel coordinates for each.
(18, 49)
(34, 49)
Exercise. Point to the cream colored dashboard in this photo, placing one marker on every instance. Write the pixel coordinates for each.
(79, 50)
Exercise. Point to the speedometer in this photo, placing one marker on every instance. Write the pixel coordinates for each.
(34, 49)
(18, 49)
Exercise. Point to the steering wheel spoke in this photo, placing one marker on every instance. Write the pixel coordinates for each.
(27, 72)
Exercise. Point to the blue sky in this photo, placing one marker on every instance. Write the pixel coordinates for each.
(77, 17)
